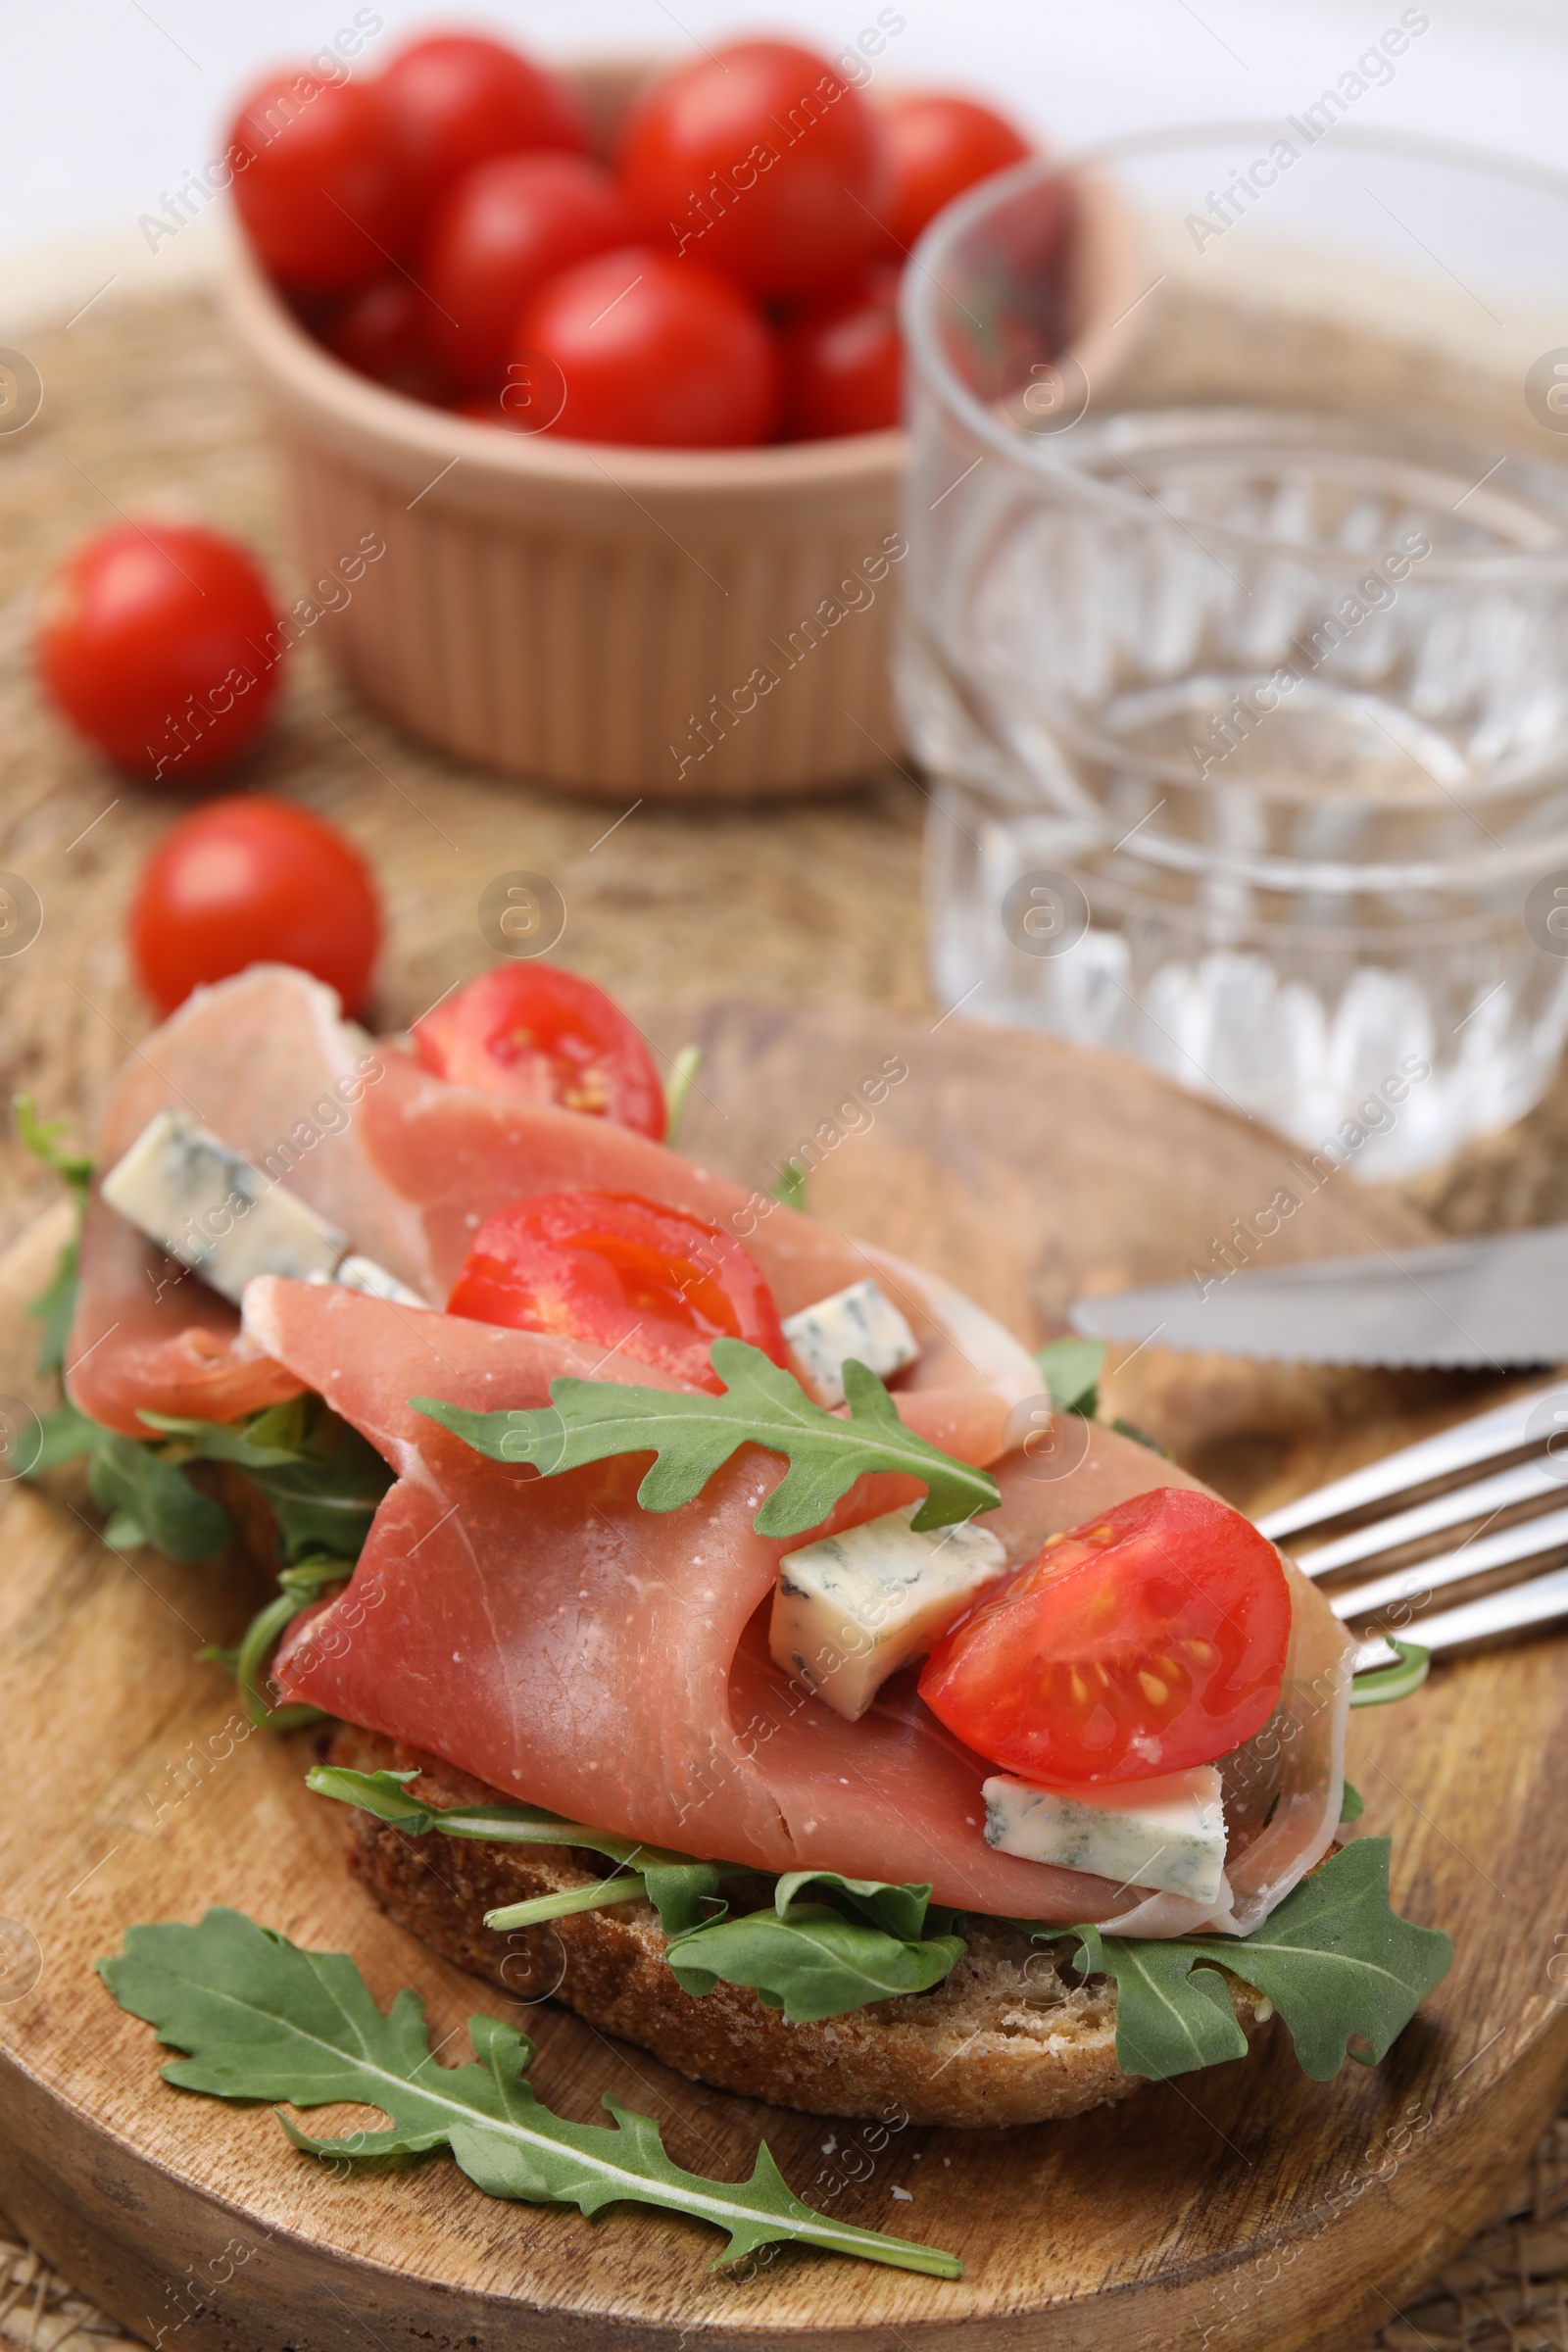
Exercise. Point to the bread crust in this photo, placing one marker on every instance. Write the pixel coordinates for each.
(1007, 2038)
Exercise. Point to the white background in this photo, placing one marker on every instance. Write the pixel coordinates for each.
(107, 104)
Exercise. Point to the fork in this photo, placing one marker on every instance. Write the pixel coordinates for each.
(1390, 1512)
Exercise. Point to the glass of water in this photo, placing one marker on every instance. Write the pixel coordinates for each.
(1236, 628)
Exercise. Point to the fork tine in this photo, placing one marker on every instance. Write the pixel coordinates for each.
(1511, 1545)
(1536, 1602)
(1480, 1439)
(1526, 1482)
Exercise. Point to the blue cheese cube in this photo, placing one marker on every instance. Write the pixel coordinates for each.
(1168, 1834)
(357, 1273)
(861, 1321)
(849, 1610)
(207, 1205)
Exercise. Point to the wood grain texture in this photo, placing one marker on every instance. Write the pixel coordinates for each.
(1246, 2206)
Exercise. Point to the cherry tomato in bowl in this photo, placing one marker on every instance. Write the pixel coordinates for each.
(153, 640)
(618, 1271)
(250, 879)
(1151, 1640)
(459, 98)
(935, 146)
(381, 330)
(506, 228)
(320, 180)
(762, 160)
(844, 360)
(547, 1036)
(654, 353)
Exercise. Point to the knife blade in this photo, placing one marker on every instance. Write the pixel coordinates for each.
(1494, 1300)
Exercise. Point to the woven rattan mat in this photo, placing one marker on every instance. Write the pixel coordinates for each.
(143, 408)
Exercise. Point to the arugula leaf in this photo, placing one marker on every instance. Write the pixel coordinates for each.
(1072, 1369)
(55, 1306)
(897, 1910)
(263, 2018)
(1352, 1804)
(1389, 1683)
(323, 1479)
(300, 1584)
(789, 1187)
(693, 1435)
(810, 1961)
(1335, 1958)
(676, 1885)
(150, 1502)
(679, 1089)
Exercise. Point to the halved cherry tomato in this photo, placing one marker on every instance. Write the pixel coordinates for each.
(154, 640)
(936, 147)
(250, 879)
(618, 1272)
(459, 98)
(544, 1036)
(1149, 1640)
(653, 354)
(506, 228)
(760, 159)
(321, 178)
(844, 360)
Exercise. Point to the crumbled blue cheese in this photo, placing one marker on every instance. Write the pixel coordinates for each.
(210, 1209)
(1169, 1833)
(849, 1610)
(861, 1321)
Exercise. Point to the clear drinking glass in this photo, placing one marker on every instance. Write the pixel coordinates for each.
(1236, 639)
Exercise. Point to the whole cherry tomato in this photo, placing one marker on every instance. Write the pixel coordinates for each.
(320, 180)
(460, 99)
(936, 147)
(618, 1272)
(844, 360)
(1149, 1640)
(381, 330)
(507, 228)
(544, 1036)
(152, 639)
(760, 159)
(251, 879)
(654, 353)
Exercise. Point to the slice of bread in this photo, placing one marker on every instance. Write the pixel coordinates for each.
(1009, 2037)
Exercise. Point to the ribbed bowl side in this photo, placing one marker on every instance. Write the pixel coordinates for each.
(715, 662)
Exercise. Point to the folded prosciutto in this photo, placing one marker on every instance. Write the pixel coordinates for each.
(407, 1167)
(556, 1640)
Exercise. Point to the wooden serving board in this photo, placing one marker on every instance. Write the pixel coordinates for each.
(1246, 2206)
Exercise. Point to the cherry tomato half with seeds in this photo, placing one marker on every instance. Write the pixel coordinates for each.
(760, 159)
(153, 641)
(457, 99)
(320, 180)
(935, 147)
(653, 354)
(617, 1271)
(844, 360)
(1151, 1640)
(547, 1036)
(501, 233)
(250, 879)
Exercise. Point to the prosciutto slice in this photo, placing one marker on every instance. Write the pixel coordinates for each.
(266, 1063)
(408, 1166)
(552, 1639)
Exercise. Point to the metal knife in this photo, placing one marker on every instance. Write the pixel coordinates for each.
(1498, 1300)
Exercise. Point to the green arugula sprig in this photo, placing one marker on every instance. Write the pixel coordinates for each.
(1336, 1961)
(56, 1305)
(692, 1434)
(1412, 1664)
(263, 2018)
(1071, 1369)
(321, 1480)
(807, 1959)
